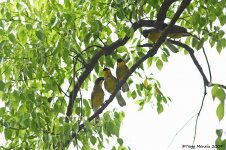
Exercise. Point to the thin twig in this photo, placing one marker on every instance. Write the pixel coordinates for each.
(180, 130)
(198, 114)
(220, 85)
(150, 53)
(207, 61)
(145, 45)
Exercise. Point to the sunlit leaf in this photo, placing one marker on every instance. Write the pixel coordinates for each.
(159, 64)
(40, 35)
(220, 111)
(214, 91)
(220, 94)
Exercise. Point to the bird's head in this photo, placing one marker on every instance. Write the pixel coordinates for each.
(145, 33)
(99, 81)
(107, 72)
(120, 62)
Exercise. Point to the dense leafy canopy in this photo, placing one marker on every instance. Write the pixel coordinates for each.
(51, 52)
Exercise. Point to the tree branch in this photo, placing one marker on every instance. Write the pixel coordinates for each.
(180, 130)
(208, 64)
(220, 85)
(196, 122)
(107, 50)
(162, 13)
(150, 53)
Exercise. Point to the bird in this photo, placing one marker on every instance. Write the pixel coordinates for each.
(154, 34)
(110, 83)
(97, 95)
(175, 32)
(121, 71)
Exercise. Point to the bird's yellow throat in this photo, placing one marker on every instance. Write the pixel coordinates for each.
(120, 64)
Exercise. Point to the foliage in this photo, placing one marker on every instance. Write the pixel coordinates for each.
(46, 46)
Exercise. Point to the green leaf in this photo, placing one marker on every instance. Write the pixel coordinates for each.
(159, 108)
(2, 85)
(219, 133)
(214, 91)
(68, 17)
(218, 141)
(173, 48)
(93, 140)
(159, 64)
(220, 111)
(40, 35)
(122, 49)
(2, 44)
(95, 26)
(134, 94)
(224, 144)
(222, 19)
(149, 61)
(53, 22)
(120, 15)
(219, 47)
(194, 42)
(164, 57)
(220, 94)
(12, 38)
(120, 141)
(8, 133)
(8, 15)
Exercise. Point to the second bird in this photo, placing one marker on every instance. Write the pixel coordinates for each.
(121, 71)
(110, 84)
(97, 96)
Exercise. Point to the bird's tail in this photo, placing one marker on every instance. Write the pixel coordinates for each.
(97, 118)
(120, 99)
(125, 87)
(171, 47)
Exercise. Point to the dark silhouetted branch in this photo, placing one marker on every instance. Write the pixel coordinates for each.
(107, 50)
(200, 109)
(150, 53)
(162, 13)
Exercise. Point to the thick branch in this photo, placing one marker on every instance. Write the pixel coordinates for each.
(150, 53)
(162, 13)
(191, 52)
(107, 50)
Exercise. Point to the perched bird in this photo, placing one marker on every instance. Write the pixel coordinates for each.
(110, 83)
(97, 96)
(152, 34)
(175, 32)
(121, 71)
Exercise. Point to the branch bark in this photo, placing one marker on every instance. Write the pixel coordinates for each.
(120, 42)
(107, 50)
(150, 53)
(162, 13)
